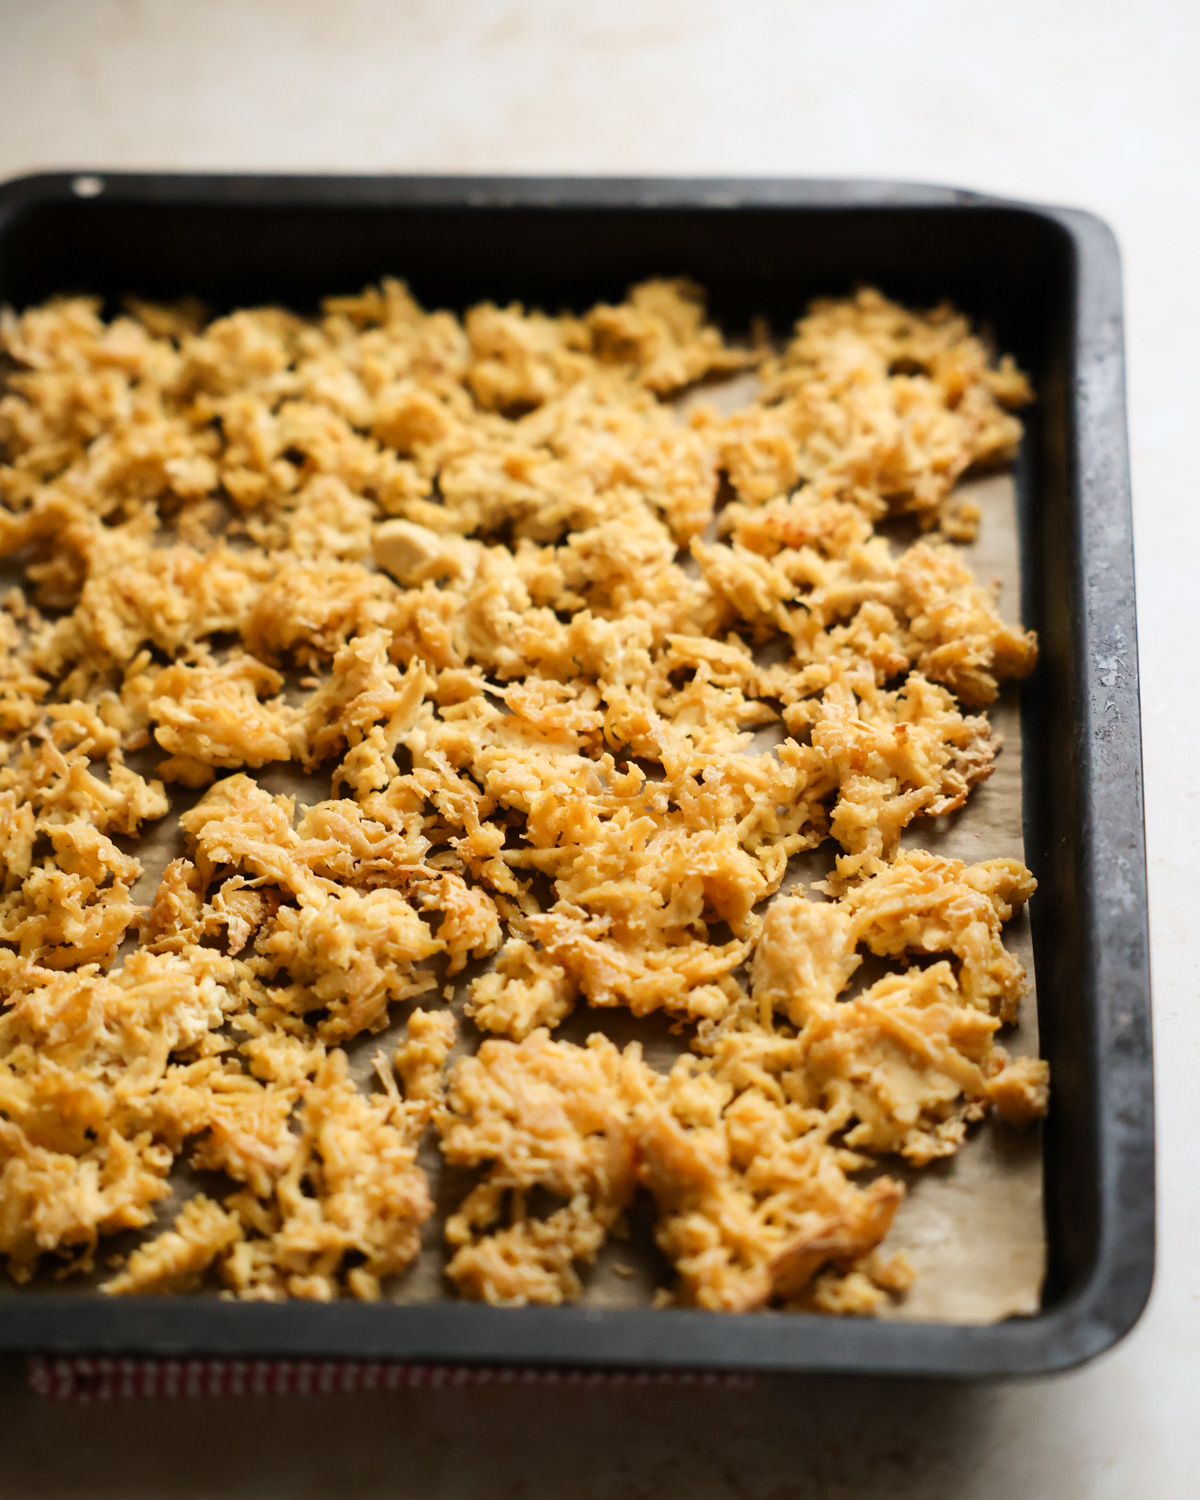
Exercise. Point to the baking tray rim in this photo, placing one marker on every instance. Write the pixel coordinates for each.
(1114, 1292)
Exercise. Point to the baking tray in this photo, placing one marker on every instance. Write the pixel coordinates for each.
(1046, 281)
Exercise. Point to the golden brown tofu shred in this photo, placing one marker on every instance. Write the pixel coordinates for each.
(526, 613)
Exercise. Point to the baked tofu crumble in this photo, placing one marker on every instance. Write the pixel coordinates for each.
(528, 616)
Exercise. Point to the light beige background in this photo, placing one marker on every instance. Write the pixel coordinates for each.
(1088, 102)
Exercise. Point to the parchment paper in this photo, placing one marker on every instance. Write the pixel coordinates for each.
(972, 1226)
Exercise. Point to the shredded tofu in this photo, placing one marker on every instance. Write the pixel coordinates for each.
(473, 570)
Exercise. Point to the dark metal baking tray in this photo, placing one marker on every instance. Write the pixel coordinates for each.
(1047, 282)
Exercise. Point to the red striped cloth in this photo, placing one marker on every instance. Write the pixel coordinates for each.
(79, 1378)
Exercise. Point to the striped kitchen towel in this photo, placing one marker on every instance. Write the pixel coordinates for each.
(81, 1378)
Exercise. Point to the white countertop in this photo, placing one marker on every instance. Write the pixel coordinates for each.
(1091, 103)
